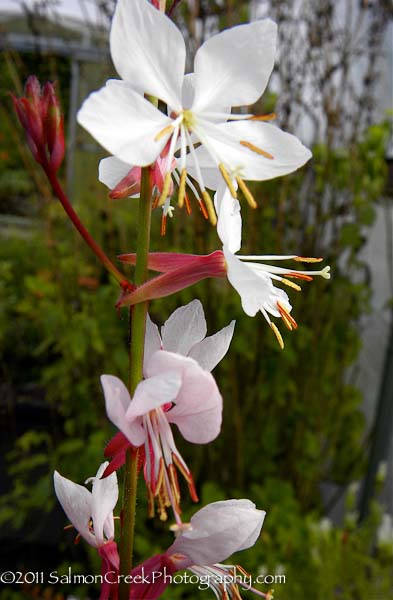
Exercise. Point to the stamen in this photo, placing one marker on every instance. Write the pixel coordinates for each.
(269, 117)
(167, 129)
(287, 317)
(165, 189)
(150, 502)
(307, 259)
(210, 207)
(251, 146)
(246, 193)
(163, 225)
(187, 203)
(203, 208)
(278, 335)
(291, 284)
(227, 180)
(182, 188)
(297, 275)
(155, 202)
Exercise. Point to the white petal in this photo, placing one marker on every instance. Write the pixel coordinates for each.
(288, 152)
(111, 171)
(124, 123)
(229, 223)
(218, 530)
(117, 401)
(233, 67)
(184, 328)
(148, 50)
(76, 502)
(152, 341)
(154, 392)
(105, 493)
(254, 291)
(188, 91)
(255, 287)
(210, 351)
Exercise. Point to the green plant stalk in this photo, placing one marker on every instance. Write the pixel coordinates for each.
(137, 342)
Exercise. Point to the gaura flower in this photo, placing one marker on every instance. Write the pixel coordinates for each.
(253, 280)
(178, 388)
(212, 144)
(214, 533)
(251, 277)
(183, 333)
(91, 513)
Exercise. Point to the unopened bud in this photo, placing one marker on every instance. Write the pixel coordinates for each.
(40, 116)
(53, 126)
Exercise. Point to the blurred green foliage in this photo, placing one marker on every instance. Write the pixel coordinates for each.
(292, 420)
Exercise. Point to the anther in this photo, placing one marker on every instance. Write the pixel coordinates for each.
(182, 188)
(210, 207)
(165, 131)
(254, 148)
(300, 276)
(203, 208)
(246, 193)
(187, 203)
(278, 335)
(163, 225)
(307, 259)
(165, 189)
(269, 117)
(291, 284)
(287, 317)
(227, 180)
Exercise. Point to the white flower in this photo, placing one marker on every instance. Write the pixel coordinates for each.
(254, 280)
(91, 513)
(231, 69)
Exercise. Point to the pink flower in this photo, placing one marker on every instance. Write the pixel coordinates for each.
(214, 533)
(91, 513)
(177, 388)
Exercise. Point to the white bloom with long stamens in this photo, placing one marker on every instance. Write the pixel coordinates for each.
(252, 278)
(231, 69)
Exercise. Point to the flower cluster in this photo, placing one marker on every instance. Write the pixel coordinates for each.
(195, 144)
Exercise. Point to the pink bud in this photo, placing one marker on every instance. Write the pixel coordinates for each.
(189, 269)
(129, 185)
(40, 116)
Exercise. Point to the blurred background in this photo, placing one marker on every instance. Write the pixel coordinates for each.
(307, 431)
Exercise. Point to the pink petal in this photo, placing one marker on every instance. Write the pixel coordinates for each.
(198, 406)
(117, 402)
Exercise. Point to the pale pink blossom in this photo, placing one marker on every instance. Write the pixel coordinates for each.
(214, 533)
(177, 388)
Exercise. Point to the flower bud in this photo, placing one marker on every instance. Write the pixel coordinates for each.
(39, 114)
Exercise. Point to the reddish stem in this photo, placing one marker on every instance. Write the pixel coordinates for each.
(100, 254)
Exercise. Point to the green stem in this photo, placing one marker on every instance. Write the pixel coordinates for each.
(137, 342)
